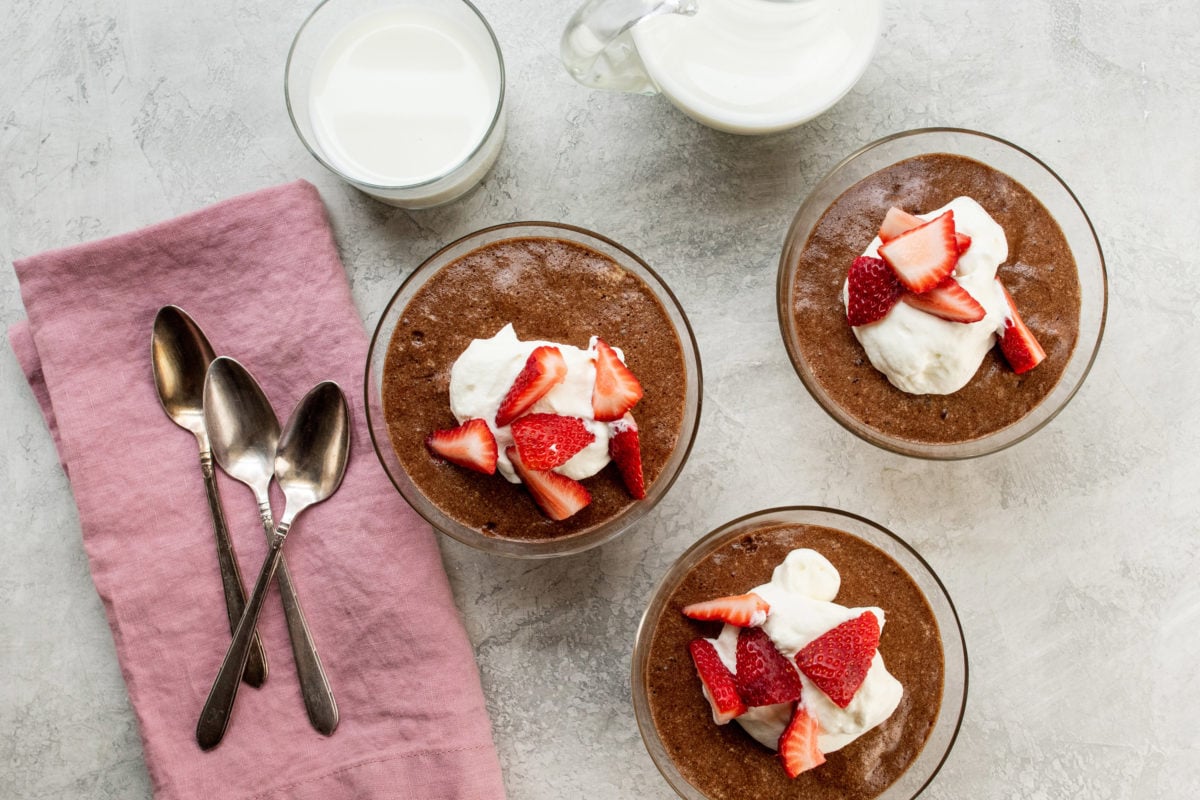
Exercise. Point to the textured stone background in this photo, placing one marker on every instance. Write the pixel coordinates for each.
(1073, 557)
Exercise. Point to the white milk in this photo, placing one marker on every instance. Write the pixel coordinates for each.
(404, 96)
(756, 66)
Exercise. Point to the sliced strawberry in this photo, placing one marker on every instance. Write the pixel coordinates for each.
(897, 222)
(616, 390)
(837, 661)
(764, 675)
(871, 291)
(555, 494)
(798, 743)
(470, 445)
(924, 256)
(625, 450)
(743, 610)
(1020, 347)
(547, 441)
(948, 300)
(544, 369)
(719, 687)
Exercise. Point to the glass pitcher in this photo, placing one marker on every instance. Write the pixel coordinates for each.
(742, 66)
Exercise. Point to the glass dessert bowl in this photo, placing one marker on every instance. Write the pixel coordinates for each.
(1053, 268)
(921, 643)
(554, 284)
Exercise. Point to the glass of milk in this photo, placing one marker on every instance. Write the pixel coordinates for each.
(403, 99)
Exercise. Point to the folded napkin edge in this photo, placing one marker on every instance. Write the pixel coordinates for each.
(20, 339)
(156, 228)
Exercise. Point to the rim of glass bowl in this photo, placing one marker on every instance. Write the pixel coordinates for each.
(589, 537)
(921, 772)
(1046, 186)
(314, 151)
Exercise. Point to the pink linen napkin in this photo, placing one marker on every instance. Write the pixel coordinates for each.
(261, 275)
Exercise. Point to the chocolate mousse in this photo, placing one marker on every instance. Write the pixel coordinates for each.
(724, 762)
(552, 290)
(1040, 274)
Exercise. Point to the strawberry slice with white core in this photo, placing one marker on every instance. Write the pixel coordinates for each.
(897, 221)
(743, 610)
(871, 291)
(838, 660)
(1020, 347)
(617, 389)
(470, 445)
(798, 743)
(948, 300)
(764, 675)
(924, 256)
(544, 369)
(624, 448)
(557, 495)
(719, 687)
(546, 441)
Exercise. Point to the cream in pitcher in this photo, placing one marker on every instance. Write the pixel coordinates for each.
(742, 66)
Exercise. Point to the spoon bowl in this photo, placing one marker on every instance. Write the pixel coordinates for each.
(311, 458)
(241, 423)
(180, 354)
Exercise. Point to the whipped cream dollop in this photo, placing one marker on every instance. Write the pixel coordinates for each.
(483, 374)
(800, 593)
(923, 354)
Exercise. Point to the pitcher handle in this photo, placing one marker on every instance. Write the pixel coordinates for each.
(598, 50)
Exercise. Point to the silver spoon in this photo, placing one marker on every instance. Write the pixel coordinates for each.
(309, 466)
(181, 355)
(245, 434)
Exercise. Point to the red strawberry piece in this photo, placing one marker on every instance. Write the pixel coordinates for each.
(557, 495)
(924, 256)
(743, 610)
(764, 675)
(897, 222)
(719, 686)
(547, 441)
(625, 450)
(1020, 347)
(544, 369)
(470, 445)
(948, 300)
(798, 743)
(837, 661)
(616, 390)
(872, 290)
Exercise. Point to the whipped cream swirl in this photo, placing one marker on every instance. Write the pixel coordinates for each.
(800, 593)
(483, 374)
(923, 354)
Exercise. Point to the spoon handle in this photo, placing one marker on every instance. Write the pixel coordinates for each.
(214, 718)
(231, 575)
(314, 684)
